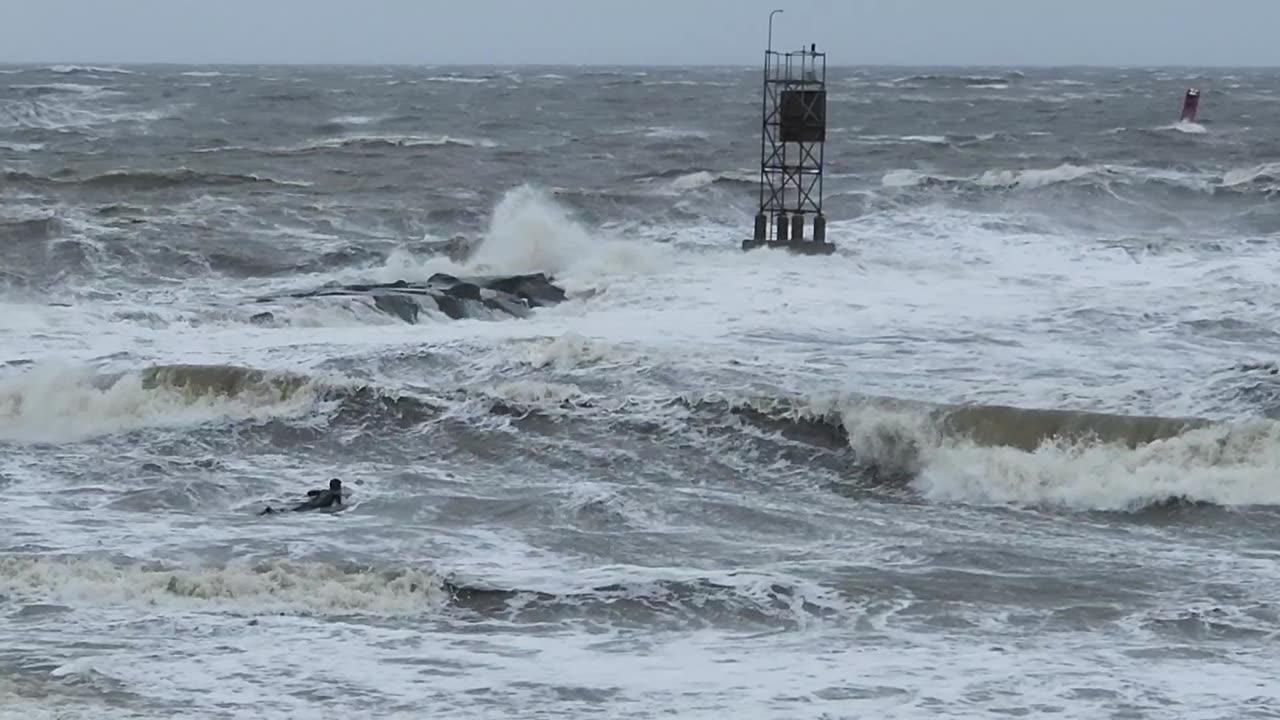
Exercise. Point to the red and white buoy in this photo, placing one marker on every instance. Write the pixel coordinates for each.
(1190, 105)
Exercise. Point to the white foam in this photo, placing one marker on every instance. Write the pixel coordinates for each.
(531, 233)
(818, 671)
(902, 178)
(675, 133)
(64, 114)
(1243, 176)
(926, 139)
(457, 79)
(240, 587)
(692, 181)
(1182, 126)
(570, 351)
(1035, 178)
(357, 119)
(545, 396)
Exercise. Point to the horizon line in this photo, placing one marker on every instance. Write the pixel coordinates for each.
(630, 64)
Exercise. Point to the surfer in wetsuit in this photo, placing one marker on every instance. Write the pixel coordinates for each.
(316, 499)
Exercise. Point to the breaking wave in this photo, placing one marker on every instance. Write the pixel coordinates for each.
(977, 454)
(53, 403)
(1068, 459)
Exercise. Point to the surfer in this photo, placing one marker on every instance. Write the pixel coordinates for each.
(316, 499)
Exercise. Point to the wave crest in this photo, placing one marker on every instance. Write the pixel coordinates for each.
(144, 180)
(54, 403)
(1078, 460)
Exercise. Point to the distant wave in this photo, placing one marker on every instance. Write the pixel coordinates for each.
(387, 141)
(679, 180)
(39, 89)
(345, 120)
(143, 180)
(58, 114)
(460, 79)
(21, 147)
(22, 229)
(72, 69)
(970, 81)
(1260, 179)
(957, 140)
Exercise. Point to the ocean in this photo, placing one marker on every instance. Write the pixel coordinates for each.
(1012, 450)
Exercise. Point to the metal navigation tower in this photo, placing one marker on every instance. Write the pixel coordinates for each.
(792, 142)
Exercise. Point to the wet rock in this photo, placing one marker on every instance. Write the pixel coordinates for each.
(402, 306)
(457, 298)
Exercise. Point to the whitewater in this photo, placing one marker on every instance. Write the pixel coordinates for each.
(1011, 450)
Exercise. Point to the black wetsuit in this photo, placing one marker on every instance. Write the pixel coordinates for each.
(317, 499)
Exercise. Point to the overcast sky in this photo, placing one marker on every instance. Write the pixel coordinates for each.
(921, 32)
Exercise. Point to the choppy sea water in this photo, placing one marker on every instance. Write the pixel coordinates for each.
(1008, 452)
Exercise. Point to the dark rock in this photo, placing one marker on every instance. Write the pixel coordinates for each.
(402, 306)
(457, 298)
(534, 289)
(262, 318)
(464, 291)
(509, 305)
(1177, 502)
(454, 307)
(441, 279)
